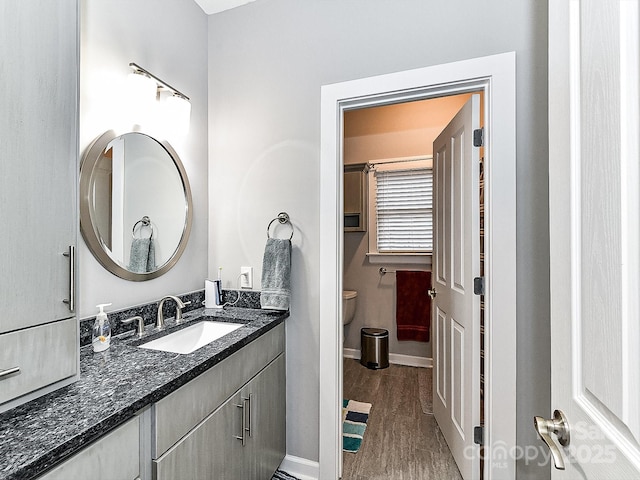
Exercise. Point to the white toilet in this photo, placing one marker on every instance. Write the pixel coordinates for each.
(349, 298)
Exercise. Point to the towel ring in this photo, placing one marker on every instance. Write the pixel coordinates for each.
(283, 218)
(146, 222)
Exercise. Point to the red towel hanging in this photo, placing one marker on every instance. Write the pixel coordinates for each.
(413, 305)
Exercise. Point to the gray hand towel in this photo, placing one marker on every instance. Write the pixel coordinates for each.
(143, 255)
(151, 258)
(276, 275)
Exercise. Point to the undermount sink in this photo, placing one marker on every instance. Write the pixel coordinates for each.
(189, 339)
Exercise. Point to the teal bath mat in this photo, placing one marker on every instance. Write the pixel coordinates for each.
(354, 423)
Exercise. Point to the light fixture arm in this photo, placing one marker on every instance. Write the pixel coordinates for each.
(161, 84)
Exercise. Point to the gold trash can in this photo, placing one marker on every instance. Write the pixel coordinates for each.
(374, 346)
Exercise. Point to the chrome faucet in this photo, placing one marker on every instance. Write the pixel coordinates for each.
(179, 306)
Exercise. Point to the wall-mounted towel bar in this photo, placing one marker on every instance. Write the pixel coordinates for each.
(146, 222)
(383, 271)
(283, 218)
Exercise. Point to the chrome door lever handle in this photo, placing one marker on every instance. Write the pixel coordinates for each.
(432, 293)
(559, 426)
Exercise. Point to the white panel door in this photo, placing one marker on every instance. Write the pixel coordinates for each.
(594, 205)
(456, 310)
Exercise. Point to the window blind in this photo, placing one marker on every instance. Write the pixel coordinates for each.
(404, 210)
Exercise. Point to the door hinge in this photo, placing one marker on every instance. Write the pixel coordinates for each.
(478, 435)
(478, 137)
(478, 285)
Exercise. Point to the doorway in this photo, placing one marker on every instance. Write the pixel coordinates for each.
(400, 138)
(495, 76)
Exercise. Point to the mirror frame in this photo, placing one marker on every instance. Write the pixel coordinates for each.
(89, 161)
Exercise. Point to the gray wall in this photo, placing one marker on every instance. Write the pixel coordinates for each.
(393, 131)
(376, 302)
(168, 38)
(267, 62)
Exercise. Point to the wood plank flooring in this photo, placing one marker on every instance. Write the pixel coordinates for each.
(401, 442)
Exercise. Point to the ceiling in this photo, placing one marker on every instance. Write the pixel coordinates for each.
(433, 113)
(215, 6)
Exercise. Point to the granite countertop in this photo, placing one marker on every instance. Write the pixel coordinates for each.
(113, 386)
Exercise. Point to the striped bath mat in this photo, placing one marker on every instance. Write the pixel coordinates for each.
(282, 475)
(354, 422)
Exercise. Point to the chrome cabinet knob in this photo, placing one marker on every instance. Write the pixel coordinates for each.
(558, 426)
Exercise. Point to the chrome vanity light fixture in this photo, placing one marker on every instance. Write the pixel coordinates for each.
(148, 93)
(137, 69)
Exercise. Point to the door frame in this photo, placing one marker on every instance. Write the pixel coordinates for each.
(495, 75)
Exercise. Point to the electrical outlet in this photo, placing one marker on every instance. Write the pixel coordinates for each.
(246, 277)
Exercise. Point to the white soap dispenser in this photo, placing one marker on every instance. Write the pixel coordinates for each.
(101, 337)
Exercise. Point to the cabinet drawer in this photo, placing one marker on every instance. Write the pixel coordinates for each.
(114, 456)
(183, 409)
(45, 354)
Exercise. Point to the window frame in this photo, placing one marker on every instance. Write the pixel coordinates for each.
(390, 164)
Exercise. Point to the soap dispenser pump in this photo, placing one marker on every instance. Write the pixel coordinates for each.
(101, 337)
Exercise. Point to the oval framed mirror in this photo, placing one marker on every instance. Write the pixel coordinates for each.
(135, 204)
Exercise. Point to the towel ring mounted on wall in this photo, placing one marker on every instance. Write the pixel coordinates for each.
(283, 218)
(146, 222)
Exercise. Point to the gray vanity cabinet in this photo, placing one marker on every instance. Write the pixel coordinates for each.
(267, 439)
(210, 450)
(38, 184)
(198, 429)
(219, 448)
(114, 456)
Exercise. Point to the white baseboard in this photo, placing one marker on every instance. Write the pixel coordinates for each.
(410, 360)
(395, 358)
(300, 467)
(351, 353)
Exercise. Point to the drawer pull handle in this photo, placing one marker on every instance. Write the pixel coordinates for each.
(71, 301)
(250, 399)
(9, 371)
(244, 406)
